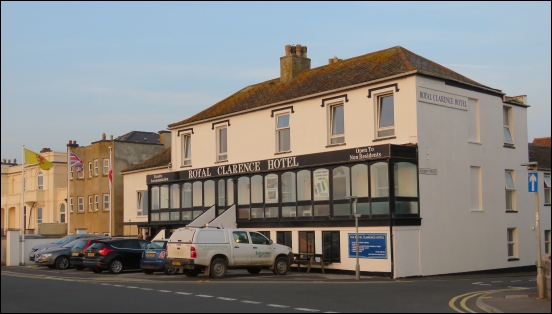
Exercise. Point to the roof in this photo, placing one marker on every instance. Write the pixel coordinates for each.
(544, 141)
(541, 154)
(159, 160)
(374, 66)
(140, 136)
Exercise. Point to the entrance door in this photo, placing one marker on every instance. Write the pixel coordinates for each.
(241, 248)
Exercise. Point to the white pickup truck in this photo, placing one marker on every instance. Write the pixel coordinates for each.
(212, 251)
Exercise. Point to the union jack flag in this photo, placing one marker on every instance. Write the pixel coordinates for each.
(75, 161)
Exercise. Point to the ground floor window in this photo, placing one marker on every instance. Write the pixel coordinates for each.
(265, 233)
(547, 242)
(284, 238)
(306, 242)
(512, 243)
(331, 246)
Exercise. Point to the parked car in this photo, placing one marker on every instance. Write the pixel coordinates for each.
(115, 255)
(43, 247)
(153, 258)
(78, 250)
(57, 257)
(212, 251)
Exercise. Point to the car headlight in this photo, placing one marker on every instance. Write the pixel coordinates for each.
(43, 249)
(46, 255)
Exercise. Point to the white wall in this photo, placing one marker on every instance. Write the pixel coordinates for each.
(134, 182)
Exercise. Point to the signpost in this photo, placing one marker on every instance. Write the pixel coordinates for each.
(357, 267)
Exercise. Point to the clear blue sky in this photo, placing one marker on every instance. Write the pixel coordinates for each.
(75, 70)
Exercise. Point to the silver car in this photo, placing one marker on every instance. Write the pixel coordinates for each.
(57, 257)
(39, 249)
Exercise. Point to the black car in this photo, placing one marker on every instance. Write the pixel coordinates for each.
(115, 255)
(78, 251)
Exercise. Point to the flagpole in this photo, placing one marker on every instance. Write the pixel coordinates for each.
(68, 191)
(110, 188)
(22, 207)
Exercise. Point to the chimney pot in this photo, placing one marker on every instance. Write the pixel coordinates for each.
(294, 63)
(103, 136)
(288, 50)
(298, 50)
(14, 161)
(111, 137)
(9, 161)
(304, 51)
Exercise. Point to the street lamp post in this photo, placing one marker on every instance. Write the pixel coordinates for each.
(533, 166)
(357, 266)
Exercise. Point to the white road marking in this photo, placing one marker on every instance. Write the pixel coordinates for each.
(277, 305)
(307, 310)
(251, 302)
(118, 285)
(476, 283)
(132, 287)
(532, 279)
(226, 299)
(496, 281)
(164, 291)
(184, 293)
(204, 296)
(515, 280)
(147, 289)
(484, 284)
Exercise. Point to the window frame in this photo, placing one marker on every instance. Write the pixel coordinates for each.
(331, 119)
(547, 242)
(185, 139)
(62, 213)
(96, 202)
(219, 153)
(338, 250)
(512, 243)
(80, 174)
(40, 181)
(89, 203)
(280, 130)
(80, 204)
(71, 173)
(89, 169)
(39, 213)
(141, 202)
(70, 204)
(378, 99)
(96, 167)
(507, 125)
(310, 245)
(546, 189)
(287, 238)
(105, 202)
(105, 167)
(510, 191)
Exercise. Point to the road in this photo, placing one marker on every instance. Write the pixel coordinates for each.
(38, 289)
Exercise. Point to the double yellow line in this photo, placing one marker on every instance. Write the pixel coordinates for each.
(465, 297)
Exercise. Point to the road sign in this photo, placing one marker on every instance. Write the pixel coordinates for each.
(533, 182)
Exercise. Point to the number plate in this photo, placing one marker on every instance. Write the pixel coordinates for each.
(90, 254)
(75, 254)
(150, 254)
(176, 263)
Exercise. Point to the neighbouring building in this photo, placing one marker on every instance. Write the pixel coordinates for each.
(539, 151)
(45, 194)
(90, 201)
(430, 159)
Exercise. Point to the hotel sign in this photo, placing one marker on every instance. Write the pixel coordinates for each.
(439, 98)
(338, 156)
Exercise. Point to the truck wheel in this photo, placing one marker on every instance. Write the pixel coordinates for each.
(218, 268)
(254, 270)
(191, 272)
(281, 266)
(170, 270)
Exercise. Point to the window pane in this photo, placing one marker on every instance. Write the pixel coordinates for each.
(283, 140)
(221, 193)
(337, 140)
(243, 191)
(509, 180)
(406, 179)
(155, 217)
(386, 114)
(165, 216)
(188, 146)
(271, 212)
(338, 122)
(257, 189)
(155, 198)
(283, 121)
(243, 213)
(321, 185)
(257, 212)
(341, 185)
(230, 198)
(507, 136)
(547, 181)
(271, 188)
(505, 116)
(187, 195)
(509, 200)
(198, 191)
(303, 185)
(363, 208)
(196, 213)
(379, 181)
(222, 140)
(187, 215)
(402, 207)
(342, 209)
(175, 215)
(380, 208)
(288, 187)
(303, 211)
(209, 191)
(359, 177)
(322, 210)
(289, 211)
(164, 196)
(175, 196)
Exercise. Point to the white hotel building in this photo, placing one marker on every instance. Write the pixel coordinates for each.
(433, 157)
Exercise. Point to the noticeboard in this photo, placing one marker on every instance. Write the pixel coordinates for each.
(371, 245)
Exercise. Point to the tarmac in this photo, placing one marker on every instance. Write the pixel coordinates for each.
(521, 301)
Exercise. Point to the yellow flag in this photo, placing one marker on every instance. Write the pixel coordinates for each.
(34, 158)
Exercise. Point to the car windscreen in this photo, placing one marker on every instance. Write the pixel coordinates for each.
(70, 244)
(157, 245)
(80, 244)
(65, 239)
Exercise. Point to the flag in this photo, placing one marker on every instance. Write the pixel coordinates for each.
(110, 175)
(75, 161)
(34, 158)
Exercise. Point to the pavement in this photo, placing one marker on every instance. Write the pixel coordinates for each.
(521, 301)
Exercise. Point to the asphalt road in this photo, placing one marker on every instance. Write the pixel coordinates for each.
(28, 289)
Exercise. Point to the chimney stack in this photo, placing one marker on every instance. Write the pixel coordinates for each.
(103, 136)
(45, 150)
(294, 62)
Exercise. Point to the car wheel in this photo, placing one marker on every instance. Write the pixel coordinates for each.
(170, 271)
(115, 267)
(191, 272)
(148, 271)
(97, 270)
(281, 266)
(62, 262)
(218, 268)
(79, 267)
(254, 270)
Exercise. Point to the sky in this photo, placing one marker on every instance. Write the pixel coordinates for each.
(75, 70)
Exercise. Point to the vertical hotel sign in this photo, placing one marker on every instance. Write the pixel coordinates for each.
(439, 98)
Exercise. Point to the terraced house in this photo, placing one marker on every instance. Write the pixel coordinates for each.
(430, 159)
